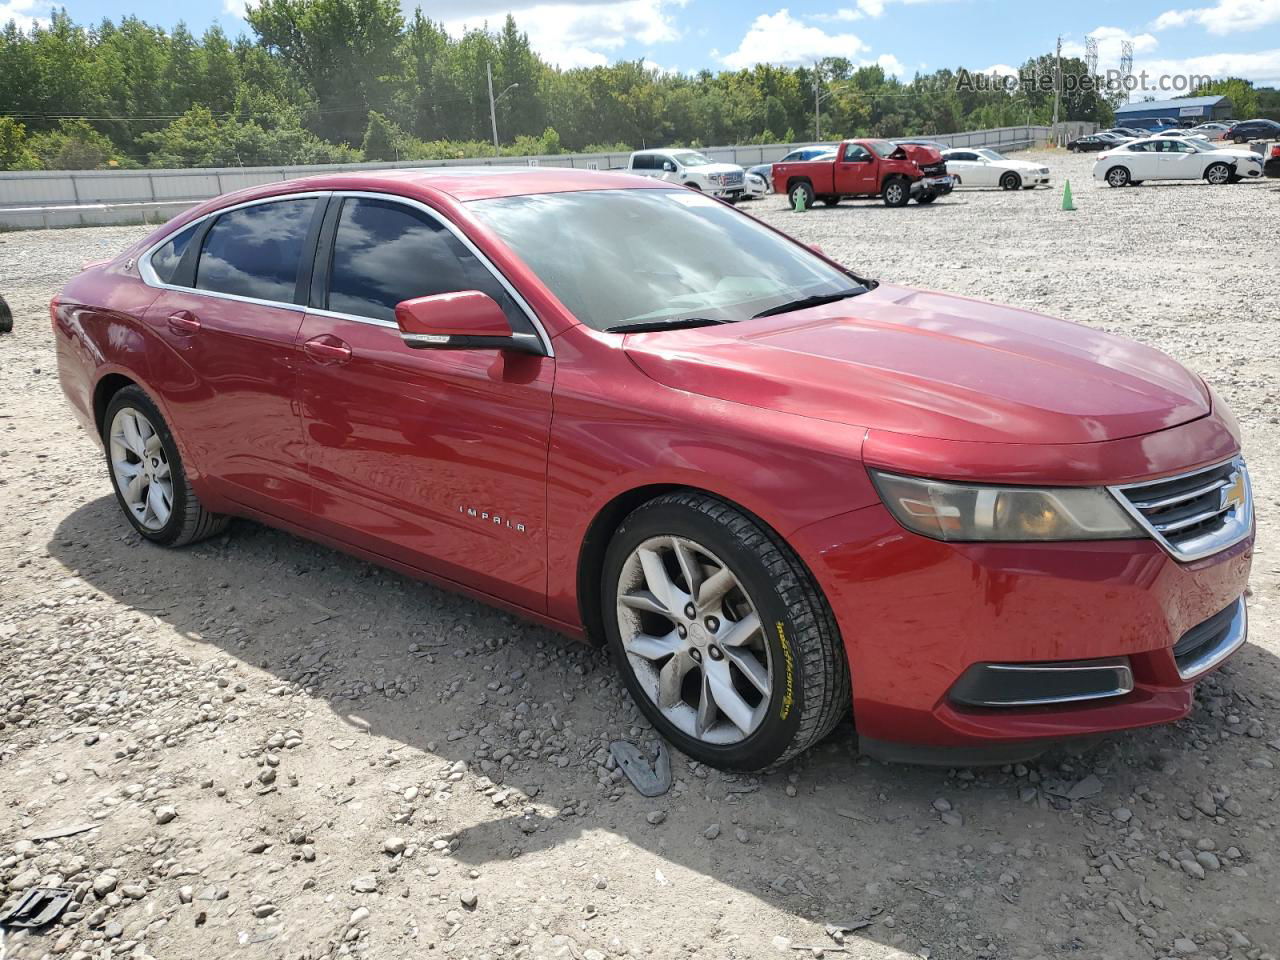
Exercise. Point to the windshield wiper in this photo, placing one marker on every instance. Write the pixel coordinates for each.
(806, 302)
(672, 323)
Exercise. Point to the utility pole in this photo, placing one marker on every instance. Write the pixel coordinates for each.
(493, 103)
(817, 105)
(1057, 90)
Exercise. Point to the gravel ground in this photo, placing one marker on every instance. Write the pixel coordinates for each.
(268, 749)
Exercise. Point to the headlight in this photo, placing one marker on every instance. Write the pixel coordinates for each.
(961, 511)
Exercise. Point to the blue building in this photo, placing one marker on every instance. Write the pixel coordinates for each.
(1186, 110)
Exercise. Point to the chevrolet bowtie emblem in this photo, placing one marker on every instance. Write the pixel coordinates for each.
(1232, 495)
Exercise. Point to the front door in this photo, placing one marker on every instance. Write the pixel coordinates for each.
(856, 171)
(230, 318)
(435, 458)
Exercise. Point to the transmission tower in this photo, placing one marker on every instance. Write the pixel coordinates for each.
(1126, 66)
(1091, 55)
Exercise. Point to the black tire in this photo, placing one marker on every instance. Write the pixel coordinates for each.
(801, 187)
(811, 689)
(1118, 177)
(1234, 178)
(1010, 181)
(896, 192)
(830, 201)
(6, 317)
(1217, 173)
(926, 198)
(188, 520)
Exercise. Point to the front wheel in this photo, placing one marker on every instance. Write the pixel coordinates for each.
(1217, 173)
(147, 474)
(722, 638)
(926, 198)
(896, 193)
(1010, 181)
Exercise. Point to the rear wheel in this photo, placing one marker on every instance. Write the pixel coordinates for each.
(801, 189)
(722, 638)
(896, 193)
(6, 317)
(1118, 176)
(1010, 181)
(147, 475)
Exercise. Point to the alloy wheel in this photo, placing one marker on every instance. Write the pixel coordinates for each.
(141, 468)
(693, 639)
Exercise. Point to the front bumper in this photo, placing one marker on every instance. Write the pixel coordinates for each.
(940, 185)
(918, 615)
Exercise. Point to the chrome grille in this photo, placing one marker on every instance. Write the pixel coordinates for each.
(732, 179)
(1195, 514)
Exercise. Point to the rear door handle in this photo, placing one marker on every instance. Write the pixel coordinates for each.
(184, 323)
(327, 348)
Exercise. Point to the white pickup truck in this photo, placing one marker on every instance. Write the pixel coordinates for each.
(688, 168)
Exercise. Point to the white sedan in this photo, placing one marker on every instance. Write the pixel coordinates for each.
(754, 187)
(983, 167)
(1175, 158)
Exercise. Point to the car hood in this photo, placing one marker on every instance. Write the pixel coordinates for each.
(931, 365)
(1021, 165)
(920, 154)
(715, 168)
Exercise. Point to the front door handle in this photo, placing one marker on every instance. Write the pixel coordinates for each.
(327, 348)
(184, 323)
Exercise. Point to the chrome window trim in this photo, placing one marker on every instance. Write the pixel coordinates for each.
(1233, 639)
(148, 275)
(462, 238)
(1236, 530)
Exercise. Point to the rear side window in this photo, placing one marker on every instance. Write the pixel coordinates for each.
(255, 251)
(164, 262)
(385, 252)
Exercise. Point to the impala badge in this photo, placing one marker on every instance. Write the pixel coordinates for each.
(484, 516)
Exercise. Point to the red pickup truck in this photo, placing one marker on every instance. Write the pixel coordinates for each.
(867, 168)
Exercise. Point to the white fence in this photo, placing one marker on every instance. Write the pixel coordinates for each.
(66, 198)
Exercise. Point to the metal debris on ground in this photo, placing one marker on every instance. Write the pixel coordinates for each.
(38, 907)
(651, 780)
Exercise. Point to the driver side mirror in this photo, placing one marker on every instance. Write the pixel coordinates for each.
(466, 320)
(668, 166)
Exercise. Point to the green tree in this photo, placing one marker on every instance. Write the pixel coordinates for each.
(1243, 97)
(15, 153)
(381, 138)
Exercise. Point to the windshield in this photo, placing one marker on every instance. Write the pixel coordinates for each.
(883, 148)
(623, 257)
(990, 155)
(688, 158)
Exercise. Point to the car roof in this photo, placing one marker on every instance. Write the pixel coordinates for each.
(460, 184)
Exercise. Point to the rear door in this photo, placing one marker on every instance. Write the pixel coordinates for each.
(856, 170)
(230, 311)
(1142, 159)
(435, 458)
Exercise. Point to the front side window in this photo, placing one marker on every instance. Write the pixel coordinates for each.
(164, 262)
(386, 252)
(255, 251)
(962, 156)
(618, 258)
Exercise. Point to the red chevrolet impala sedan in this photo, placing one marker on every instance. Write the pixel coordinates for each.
(777, 490)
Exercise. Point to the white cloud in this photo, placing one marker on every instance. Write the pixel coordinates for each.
(780, 38)
(889, 64)
(863, 9)
(23, 13)
(1225, 16)
(586, 34)
(1262, 67)
(999, 70)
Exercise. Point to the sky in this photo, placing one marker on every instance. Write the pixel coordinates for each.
(1170, 37)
